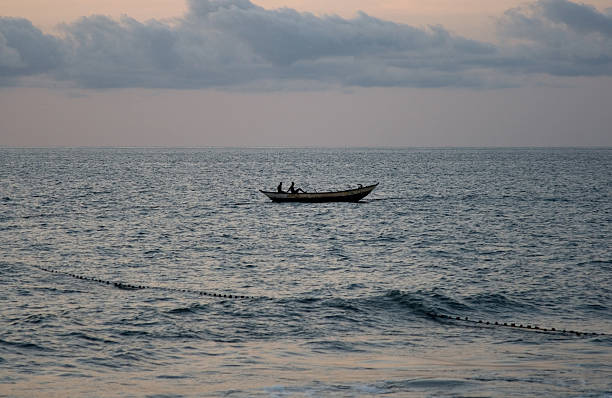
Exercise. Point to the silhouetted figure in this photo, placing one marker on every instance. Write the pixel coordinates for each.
(293, 190)
(280, 187)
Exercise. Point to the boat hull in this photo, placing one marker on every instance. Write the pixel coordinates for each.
(351, 195)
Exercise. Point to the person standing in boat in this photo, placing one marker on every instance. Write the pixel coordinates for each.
(293, 190)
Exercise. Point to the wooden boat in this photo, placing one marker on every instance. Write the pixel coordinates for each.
(350, 195)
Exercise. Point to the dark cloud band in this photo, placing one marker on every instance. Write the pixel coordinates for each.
(234, 43)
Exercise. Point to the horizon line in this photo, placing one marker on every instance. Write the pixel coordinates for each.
(3, 147)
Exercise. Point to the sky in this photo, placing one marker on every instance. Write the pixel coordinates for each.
(346, 73)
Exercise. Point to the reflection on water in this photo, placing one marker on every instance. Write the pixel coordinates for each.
(312, 368)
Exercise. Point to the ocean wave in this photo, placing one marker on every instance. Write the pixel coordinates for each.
(423, 302)
(88, 337)
(192, 309)
(24, 345)
(603, 263)
(497, 302)
(335, 345)
(35, 318)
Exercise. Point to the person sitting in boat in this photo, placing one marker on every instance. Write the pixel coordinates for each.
(280, 187)
(293, 190)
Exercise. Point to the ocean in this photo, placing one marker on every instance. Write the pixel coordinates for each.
(149, 272)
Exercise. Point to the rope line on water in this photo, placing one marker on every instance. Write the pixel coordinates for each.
(480, 322)
(533, 328)
(128, 286)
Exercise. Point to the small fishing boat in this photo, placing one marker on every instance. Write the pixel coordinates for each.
(349, 195)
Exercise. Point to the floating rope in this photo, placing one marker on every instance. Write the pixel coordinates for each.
(127, 286)
(515, 325)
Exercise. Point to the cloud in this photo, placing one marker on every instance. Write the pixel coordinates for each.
(25, 50)
(558, 37)
(229, 43)
(235, 43)
(578, 17)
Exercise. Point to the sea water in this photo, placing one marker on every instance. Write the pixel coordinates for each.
(117, 267)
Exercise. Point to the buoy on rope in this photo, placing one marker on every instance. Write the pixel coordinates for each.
(122, 285)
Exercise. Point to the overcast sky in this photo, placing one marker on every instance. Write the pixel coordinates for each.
(300, 73)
